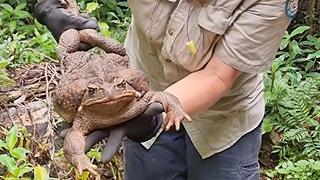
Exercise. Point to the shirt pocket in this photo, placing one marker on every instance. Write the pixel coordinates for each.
(215, 18)
(151, 17)
(203, 26)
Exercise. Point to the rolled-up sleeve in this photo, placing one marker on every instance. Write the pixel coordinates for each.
(251, 41)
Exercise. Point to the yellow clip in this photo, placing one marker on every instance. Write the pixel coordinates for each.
(192, 47)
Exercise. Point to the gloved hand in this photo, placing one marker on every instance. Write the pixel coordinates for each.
(139, 129)
(54, 15)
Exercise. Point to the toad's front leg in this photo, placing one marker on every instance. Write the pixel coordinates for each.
(74, 146)
(172, 107)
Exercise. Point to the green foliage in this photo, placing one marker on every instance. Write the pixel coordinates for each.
(4, 76)
(40, 173)
(292, 96)
(14, 156)
(113, 16)
(94, 154)
(302, 170)
(23, 39)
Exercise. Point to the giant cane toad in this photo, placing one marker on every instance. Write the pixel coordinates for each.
(101, 90)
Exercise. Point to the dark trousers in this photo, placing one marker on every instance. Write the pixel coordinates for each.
(173, 157)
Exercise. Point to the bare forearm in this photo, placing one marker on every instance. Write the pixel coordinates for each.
(202, 89)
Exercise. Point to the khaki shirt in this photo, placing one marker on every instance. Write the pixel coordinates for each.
(244, 34)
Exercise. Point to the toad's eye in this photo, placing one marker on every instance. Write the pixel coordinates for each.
(122, 84)
(91, 90)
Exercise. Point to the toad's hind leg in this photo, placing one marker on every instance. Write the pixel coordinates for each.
(74, 146)
(90, 36)
(68, 43)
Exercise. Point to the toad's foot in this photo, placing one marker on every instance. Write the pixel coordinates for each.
(74, 146)
(173, 109)
(83, 163)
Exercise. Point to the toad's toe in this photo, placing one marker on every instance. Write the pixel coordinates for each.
(85, 164)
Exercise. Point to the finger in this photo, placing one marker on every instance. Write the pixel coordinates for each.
(169, 125)
(79, 170)
(85, 15)
(92, 170)
(170, 119)
(84, 23)
(153, 109)
(164, 123)
(95, 137)
(77, 22)
(177, 124)
(113, 143)
(187, 117)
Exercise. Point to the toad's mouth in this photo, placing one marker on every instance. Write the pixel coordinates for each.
(110, 101)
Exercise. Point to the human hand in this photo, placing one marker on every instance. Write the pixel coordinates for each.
(58, 19)
(139, 129)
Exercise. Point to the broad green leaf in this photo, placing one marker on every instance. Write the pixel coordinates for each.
(314, 41)
(290, 164)
(284, 43)
(20, 6)
(85, 175)
(2, 31)
(8, 162)
(112, 14)
(93, 153)
(316, 165)
(299, 30)
(92, 6)
(123, 3)
(302, 163)
(283, 171)
(267, 125)
(312, 38)
(271, 174)
(40, 173)
(4, 63)
(5, 77)
(21, 170)
(3, 145)
(306, 43)
(278, 62)
(12, 137)
(22, 14)
(284, 165)
(309, 66)
(119, 11)
(12, 26)
(104, 29)
(314, 55)
(7, 7)
(19, 153)
(295, 49)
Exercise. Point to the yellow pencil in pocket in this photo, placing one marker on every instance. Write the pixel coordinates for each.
(192, 47)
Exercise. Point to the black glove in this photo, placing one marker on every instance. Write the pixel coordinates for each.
(139, 129)
(54, 15)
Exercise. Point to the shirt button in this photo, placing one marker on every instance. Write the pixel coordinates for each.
(168, 60)
(170, 32)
